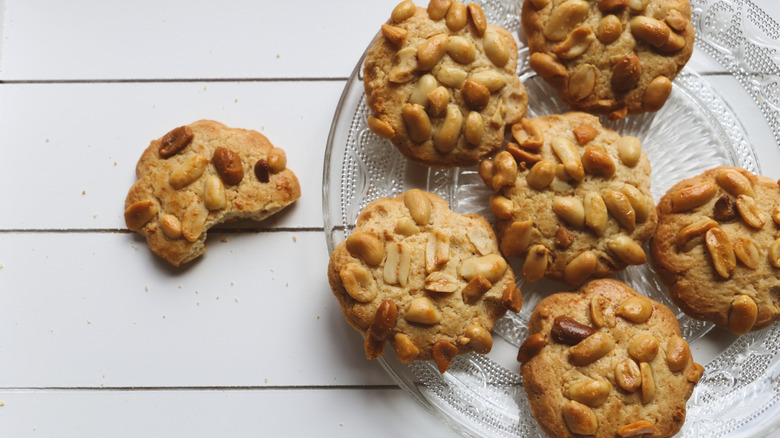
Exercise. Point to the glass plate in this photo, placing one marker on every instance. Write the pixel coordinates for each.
(482, 395)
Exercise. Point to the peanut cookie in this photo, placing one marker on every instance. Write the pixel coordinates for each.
(441, 83)
(605, 361)
(573, 198)
(200, 175)
(609, 56)
(717, 248)
(422, 277)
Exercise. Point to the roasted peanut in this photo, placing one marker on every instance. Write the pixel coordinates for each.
(443, 352)
(422, 310)
(395, 35)
(776, 215)
(576, 43)
(501, 206)
(564, 18)
(609, 29)
(563, 238)
(611, 5)
(437, 9)
(602, 313)
(579, 418)
(626, 73)
(397, 264)
(639, 202)
(592, 393)
(528, 134)
(476, 95)
(522, 155)
(481, 239)
(404, 348)
(591, 349)
(549, 69)
(492, 80)
(695, 229)
(457, 16)
(425, 85)
(384, 321)
(479, 338)
(417, 122)
(648, 383)
(694, 374)
(628, 375)
(451, 77)
(674, 43)
(188, 171)
(477, 16)
(570, 209)
(366, 246)
(174, 141)
(748, 209)
(677, 354)
(277, 160)
(512, 297)
(446, 138)
(437, 251)
(194, 219)
(430, 52)
(419, 206)
(374, 348)
(358, 282)
(580, 268)
(742, 315)
(438, 100)
(139, 213)
(516, 238)
(461, 50)
(692, 196)
(171, 226)
(495, 48)
(535, 265)
(214, 193)
(582, 81)
(637, 429)
(629, 150)
(584, 133)
(620, 208)
(404, 10)
(721, 252)
(406, 227)
(565, 151)
(405, 64)
(746, 252)
(657, 92)
(531, 347)
(491, 266)
(475, 288)
(637, 5)
(567, 330)
(627, 250)
(643, 347)
(539, 4)
(441, 282)
(595, 212)
(504, 170)
(598, 162)
(541, 175)
(774, 253)
(650, 30)
(636, 309)
(474, 128)
(676, 20)
(734, 183)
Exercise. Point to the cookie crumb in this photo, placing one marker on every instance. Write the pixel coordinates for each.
(295, 238)
(2, 403)
(83, 192)
(146, 288)
(89, 321)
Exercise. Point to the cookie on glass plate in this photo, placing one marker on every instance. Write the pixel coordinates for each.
(441, 83)
(429, 281)
(573, 198)
(200, 175)
(609, 56)
(605, 361)
(717, 248)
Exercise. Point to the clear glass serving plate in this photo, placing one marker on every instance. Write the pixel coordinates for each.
(483, 395)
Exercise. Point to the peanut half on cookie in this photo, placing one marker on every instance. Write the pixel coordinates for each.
(605, 361)
(717, 248)
(441, 83)
(427, 280)
(609, 56)
(572, 197)
(200, 175)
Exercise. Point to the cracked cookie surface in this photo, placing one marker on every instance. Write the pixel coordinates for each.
(200, 175)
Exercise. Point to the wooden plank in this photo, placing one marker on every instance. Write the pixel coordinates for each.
(147, 39)
(99, 309)
(220, 413)
(70, 150)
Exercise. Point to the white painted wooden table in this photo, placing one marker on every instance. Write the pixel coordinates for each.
(98, 337)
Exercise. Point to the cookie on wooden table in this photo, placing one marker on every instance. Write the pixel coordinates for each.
(605, 361)
(200, 175)
(609, 56)
(429, 281)
(573, 198)
(717, 248)
(441, 83)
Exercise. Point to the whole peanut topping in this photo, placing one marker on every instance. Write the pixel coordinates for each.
(746, 252)
(564, 18)
(591, 349)
(395, 35)
(477, 16)
(565, 151)
(443, 352)
(596, 215)
(405, 350)
(548, 68)
(629, 150)
(512, 297)
(576, 43)
(650, 30)
(612, 5)
(461, 50)
(695, 229)
(277, 160)
(491, 266)
(602, 312)
(171, 226)
(748, 209)
(384, 320)
(639, 202)
(194, 219)
(692, 196)
(479, 338)
(419, 206)
(430, 52)
(579, 418)
(422, 310)
(626, 74)
(570, 209)
(535, 265)
(475, 288)
(592, 393)
(475, 127)
(582, 81)
(657, 92)
(598, 162)
(643, 348)
(188, 171)
(437, 9)
(677, 353)
(627, 250)
(397, 264)
(609, 29)
(495, 48)
(636, 309)
(628, 375)
(214, 193)
(139, 213)
(446, 137)
(742, 315)
(541, 175)
(620, 208)
(580, 268)
(516, 238)
(531, 347)
(457, 16)
(403, 11)
(175, 141)
(648, 383)
(228, 165)
(366, 246)
(567, 330)
(417, 122)
(358, 283)
(637, 429)
(476, 95)
(721, 251)
(501, 206)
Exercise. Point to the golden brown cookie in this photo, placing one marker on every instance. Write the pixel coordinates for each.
(200, 175)
(717, 248)
(609, 56)
(441, 83)
(605, 361)
(573, 198)
(427, 280)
